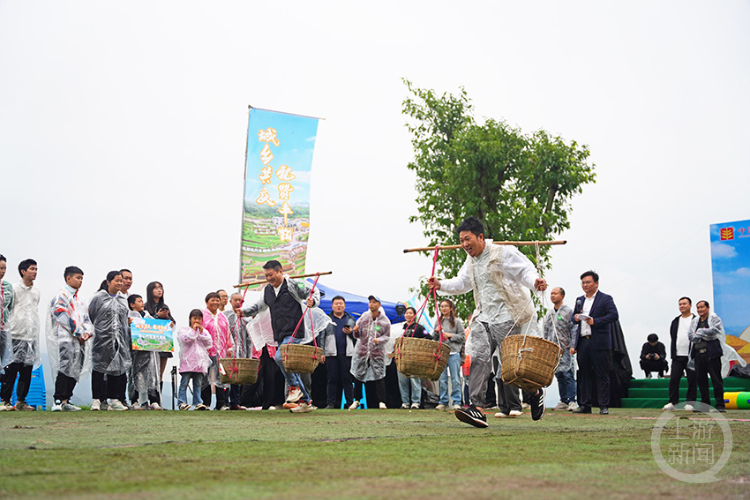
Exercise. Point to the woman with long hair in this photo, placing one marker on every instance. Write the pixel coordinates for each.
(110, 352)
(155, 303)
(453, 334)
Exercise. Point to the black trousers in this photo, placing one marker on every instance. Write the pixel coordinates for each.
(679, 366)
(379, 392)
(593, 367)
(654, 365)
(64, 386)
(703, 368)
(339, 377)
(105, 386)
(221, 397)
(23, 372)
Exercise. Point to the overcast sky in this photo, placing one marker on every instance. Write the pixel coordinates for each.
(123, 129)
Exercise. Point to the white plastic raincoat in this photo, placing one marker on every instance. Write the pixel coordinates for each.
(368, 362)
(111, 344)
(67, 321)
(23, 324)
(6, 304)
(145, 369)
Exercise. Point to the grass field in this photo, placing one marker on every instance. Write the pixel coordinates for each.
(374, 454)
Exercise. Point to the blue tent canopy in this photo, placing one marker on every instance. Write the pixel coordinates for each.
(355, 304)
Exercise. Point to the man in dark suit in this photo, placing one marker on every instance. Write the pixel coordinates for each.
(593, 315)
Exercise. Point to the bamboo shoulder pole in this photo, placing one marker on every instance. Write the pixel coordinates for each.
(516, 243)
(263, 282)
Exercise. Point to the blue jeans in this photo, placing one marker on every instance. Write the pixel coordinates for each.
(293, 379)
(416, 389)
(566, 383)
(454, 365)
(197, 379)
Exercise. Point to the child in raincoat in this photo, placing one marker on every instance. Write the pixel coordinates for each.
(144, 373)
(68, 328)
(194, 359)
(24, 327)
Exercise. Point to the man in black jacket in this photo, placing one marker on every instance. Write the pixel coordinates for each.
(594, 314)
(679, 351)
(653, 356)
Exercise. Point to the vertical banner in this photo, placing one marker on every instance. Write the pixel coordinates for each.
(276, 213)
(730, 262)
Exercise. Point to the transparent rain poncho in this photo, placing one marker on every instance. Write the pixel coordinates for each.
(369, 360)
(67, 321)
(557, 328)
(240, 338)
(481, 344)
(6, 303)
(194, 348)
(24, 326)
(110, 351)
(145, 368)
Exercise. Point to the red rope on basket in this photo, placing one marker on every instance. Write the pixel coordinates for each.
(312, 327)
(422, 308)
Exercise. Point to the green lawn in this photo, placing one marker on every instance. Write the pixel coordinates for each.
(374, 454)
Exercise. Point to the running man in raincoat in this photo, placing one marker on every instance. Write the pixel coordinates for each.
(373, 330)
(500, 277)
(68, 328)
(23, 325)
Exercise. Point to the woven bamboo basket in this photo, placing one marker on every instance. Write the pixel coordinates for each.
(239, 371)
(528, 362)
(299, 358)
(421, 357)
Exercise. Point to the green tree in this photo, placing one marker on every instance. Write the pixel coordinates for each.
(520, 185)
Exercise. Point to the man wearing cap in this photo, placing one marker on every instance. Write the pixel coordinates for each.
(499, 277)
(373, 330)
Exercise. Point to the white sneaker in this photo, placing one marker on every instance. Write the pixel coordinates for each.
(156, 406)
(70, 407)
(668, 407)
(116, 405)
(501, 415)
(456, 407)
(572, 406)
(57, 406)
(415, 406)
(302, 407)
(271, 408)
(525, 406)
(561, 406)
(404, 406)
(96, 405)
(294, 394)
(515, 413)
(354, 405)
(382, 406)
(689, 408)
(440, 407)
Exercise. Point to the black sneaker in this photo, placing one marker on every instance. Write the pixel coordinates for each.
(536, 401)
(472, 416)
